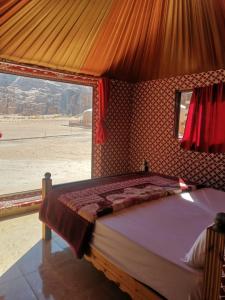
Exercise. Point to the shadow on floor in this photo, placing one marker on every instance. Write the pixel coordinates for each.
(49, 270)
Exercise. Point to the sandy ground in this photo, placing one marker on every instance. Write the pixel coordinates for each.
(29, 148)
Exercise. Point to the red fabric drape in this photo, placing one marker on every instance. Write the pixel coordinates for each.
(103, 94)
(205, 125)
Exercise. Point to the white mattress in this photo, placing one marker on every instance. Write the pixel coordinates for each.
(148, 241)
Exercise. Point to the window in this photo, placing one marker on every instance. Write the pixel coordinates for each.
(183, 99)
(46, 126)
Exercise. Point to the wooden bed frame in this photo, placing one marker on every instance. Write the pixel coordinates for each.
(213, 273)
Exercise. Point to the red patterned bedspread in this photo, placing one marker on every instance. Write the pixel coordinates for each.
(72, 210)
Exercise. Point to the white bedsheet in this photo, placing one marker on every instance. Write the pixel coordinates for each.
(148, 241)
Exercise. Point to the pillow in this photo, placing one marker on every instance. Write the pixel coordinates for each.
(196, 255)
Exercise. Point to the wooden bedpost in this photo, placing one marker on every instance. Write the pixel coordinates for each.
(46, 188)
(214, 262)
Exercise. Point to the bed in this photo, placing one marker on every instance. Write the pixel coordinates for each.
(148, 264)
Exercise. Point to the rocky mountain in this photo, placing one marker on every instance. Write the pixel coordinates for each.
(32, 96)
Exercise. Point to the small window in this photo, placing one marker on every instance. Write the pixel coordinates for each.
(183, 99)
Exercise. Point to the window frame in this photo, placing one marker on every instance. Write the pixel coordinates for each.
(54, 75)
(178, 94)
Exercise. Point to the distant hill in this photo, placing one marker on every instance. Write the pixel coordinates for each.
(31, 96)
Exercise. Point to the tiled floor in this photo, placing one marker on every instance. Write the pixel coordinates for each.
(33, 269)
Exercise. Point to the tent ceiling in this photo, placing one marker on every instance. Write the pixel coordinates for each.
(127, 39)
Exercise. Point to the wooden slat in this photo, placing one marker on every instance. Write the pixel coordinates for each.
(213, 265)
(46, 188)
(135, 289)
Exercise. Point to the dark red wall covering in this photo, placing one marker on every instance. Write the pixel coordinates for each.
(152, 131)
(113, 157)
(140, 126)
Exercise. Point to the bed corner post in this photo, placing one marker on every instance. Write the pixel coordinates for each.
(46, 188)
(214, 261)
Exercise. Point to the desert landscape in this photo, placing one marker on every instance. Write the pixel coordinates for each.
(31, 146)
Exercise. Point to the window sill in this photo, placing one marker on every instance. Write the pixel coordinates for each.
(19, 203)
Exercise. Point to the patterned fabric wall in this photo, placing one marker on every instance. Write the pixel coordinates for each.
(113, 157)
(144, 129)
(152, 132)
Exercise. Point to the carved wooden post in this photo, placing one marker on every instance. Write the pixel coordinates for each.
(46, 188)
(214, 262)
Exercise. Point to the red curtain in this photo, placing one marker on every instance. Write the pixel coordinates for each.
(205, 125)
(103, 94)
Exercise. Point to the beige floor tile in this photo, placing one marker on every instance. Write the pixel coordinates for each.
(17, 289)
(46, 270)
(105, 291)
(10, 274)
(47, 285)
(59, 241)
(41, 255)
(79, 275)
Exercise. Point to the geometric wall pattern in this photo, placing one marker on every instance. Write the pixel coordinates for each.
(140, 123)
(113, 157)
(152, 132)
